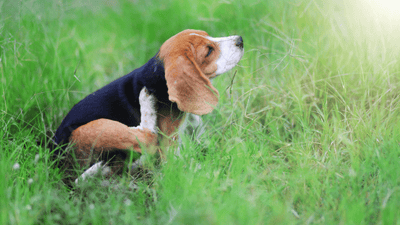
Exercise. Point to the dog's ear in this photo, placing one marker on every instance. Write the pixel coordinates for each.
(187, 84)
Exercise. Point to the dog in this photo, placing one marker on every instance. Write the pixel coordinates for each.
(146, 107)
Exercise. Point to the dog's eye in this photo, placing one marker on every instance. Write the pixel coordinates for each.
(210, 50)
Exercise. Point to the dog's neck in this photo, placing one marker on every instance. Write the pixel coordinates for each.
(152, 76)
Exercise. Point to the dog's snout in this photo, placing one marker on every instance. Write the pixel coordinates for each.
(239, 42)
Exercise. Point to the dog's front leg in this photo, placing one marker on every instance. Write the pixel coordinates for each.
(148, 118)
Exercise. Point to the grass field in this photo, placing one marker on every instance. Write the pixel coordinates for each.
(306, 132)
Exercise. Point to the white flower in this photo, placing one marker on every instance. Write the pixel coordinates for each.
(16, 166)
(37, 157)
(128, 202)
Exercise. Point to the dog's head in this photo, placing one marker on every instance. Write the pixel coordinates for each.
(191, 58)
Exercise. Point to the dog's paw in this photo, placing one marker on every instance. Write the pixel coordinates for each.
(97, 168)
(148, 111)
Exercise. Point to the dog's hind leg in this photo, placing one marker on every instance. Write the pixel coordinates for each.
(104, 137)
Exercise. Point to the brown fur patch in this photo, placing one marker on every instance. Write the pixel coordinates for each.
(169, 119)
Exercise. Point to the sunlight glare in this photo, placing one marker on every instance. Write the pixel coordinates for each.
(386, 8)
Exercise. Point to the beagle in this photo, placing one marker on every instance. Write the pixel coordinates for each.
(130, 112)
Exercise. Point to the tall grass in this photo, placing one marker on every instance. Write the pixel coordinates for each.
(306, 130)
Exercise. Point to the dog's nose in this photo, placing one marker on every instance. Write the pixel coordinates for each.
(239, 42)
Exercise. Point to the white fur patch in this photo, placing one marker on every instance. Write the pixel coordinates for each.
(148, 118)
(230, 53)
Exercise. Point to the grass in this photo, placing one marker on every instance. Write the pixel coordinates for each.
(306, 131)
